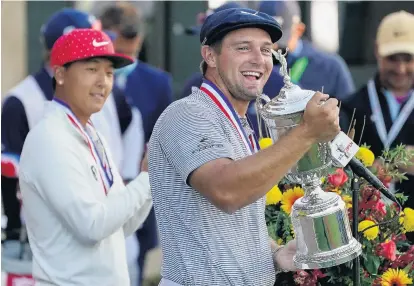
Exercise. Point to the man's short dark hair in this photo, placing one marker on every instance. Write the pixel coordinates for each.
(216, 46)
(66, 66)
(123, 17)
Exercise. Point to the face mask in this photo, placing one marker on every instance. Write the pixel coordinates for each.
(125, 70)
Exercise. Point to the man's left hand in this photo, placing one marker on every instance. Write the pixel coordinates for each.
(284, 257)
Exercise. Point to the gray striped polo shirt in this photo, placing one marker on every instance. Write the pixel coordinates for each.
(201, 244)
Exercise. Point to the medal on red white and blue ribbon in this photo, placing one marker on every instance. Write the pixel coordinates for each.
(101, 159)
(225, 106)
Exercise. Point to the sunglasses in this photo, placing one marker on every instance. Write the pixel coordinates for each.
(129, 31)
(406, 58)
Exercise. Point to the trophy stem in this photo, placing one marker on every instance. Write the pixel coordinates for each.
(313, 192)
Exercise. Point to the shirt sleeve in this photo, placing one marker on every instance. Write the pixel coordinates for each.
(141, 214)
(190, 136)
(64, 185)
(142, 180)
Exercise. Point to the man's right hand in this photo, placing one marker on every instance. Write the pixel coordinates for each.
(321, 118)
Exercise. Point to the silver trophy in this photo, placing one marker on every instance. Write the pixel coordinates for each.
(319, 218)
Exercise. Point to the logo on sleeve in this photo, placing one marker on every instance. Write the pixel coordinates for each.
(206, 143)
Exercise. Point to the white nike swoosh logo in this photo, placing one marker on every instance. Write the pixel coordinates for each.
(99, 44)
(244, 12)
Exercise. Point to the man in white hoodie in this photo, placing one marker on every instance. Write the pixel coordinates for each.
(77, 208)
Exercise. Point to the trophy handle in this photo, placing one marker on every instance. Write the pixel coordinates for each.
(259, 104)
(259, 109)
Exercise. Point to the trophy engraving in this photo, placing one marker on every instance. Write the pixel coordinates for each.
(319, 218)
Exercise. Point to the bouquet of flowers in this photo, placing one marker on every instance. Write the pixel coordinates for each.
(387, 257)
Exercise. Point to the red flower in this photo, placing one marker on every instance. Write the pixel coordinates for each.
(338, 178)
(380, 207)
(388, 250)
(305, 278)
(318, 274)
(369, 198)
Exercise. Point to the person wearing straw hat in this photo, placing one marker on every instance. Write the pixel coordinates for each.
(382, 109)
(77, 209)
(310, 67)
(207, 176)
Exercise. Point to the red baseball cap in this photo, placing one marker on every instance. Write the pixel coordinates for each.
(82, 44)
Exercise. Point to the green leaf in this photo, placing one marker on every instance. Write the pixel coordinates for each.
(272, 231)
(403, 198)
(372, 263)
(407, 268)
(366, 281)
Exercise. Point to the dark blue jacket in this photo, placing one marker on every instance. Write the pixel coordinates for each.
(150, 90)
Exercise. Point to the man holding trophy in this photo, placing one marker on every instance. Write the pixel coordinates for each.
(207, 175)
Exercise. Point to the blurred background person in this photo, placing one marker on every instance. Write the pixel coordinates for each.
(310, 67)
(387, 100)
(140, 85)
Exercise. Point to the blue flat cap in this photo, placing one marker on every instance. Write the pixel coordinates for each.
(218, 24)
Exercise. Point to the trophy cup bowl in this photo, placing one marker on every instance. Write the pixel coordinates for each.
(320, 219)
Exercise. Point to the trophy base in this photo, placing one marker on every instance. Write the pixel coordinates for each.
(329, 258)
(322, 230)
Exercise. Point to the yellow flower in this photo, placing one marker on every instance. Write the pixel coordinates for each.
(265, 142)
(366, 156)
(274, 196)
(348, 201)
(336, 190)
(323, 179)
(279, 241)
(395, 277)
(371, 233)
(408, 222)
(289, 198)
